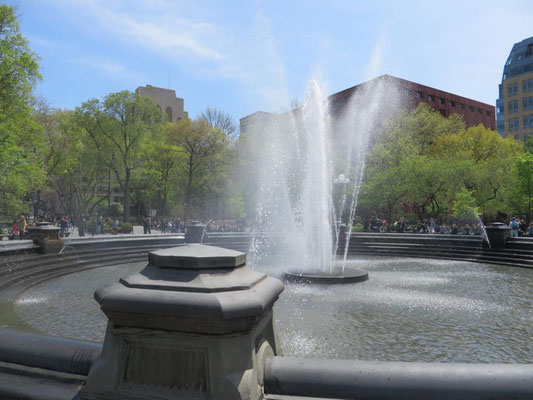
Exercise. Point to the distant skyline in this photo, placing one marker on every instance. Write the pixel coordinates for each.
(246, 56)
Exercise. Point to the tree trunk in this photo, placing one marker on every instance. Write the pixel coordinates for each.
(127, 196)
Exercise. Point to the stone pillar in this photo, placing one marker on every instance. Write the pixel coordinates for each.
(196, 323)
(497, 233)
(46, 236)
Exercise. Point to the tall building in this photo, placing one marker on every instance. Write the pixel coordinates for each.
(515, 103)
(166, 99)
(407, 95)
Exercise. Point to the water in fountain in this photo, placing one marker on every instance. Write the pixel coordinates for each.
(294, 171)
(295, 156)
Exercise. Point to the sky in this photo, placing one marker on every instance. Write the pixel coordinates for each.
(242, 56)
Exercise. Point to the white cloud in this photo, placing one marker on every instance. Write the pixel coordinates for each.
(147, 25)
(109, 68)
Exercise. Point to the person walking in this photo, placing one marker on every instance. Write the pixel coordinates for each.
(63, 225)
(22, 225)
(431, 225)
(515, 226)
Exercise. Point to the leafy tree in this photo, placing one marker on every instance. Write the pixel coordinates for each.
(21, 138)
(201, 149)
(524, 170)
(119, 127)
(464, 207)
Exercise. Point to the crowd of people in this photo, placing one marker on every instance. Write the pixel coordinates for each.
(431, 226)
(95, 226)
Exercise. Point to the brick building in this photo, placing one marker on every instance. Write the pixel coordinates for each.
(407, 95)
(411, 94)
(166, 100)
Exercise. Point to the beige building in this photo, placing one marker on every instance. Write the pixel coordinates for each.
(514, 116)
(166, 99)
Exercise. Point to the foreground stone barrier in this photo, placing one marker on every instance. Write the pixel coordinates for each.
(195, 323)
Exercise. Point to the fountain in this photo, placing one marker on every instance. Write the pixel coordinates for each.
(295, 156)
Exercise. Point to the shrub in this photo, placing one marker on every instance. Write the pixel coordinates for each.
(125, 227)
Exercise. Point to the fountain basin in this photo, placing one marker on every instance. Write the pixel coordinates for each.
(349, 275)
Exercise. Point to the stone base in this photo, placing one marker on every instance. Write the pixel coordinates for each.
(320, 277)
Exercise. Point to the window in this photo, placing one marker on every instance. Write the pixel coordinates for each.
(513, 107)
(528, 121)
(527, 103)
(452, 103)
(442, 101)
(480, 111)
(461, 106)
(431, 97)
(443, 112)
(513, 124)
(168, 110)
(512, 89)
(527, 85)
(420, 95)
(516, 137)
(488, 113)
(470, 108)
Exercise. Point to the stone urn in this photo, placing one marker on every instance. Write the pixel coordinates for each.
(497, 233)
(46, 236)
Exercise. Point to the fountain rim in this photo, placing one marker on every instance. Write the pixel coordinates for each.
(348, 276)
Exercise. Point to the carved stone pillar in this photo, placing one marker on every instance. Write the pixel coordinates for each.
(196, 323)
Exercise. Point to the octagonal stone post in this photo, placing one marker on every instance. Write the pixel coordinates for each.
(497, 234)
(196, 323)
(46, 236)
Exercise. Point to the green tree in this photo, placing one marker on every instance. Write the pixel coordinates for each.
(201, 150)
(119, 127)
(524, 170)
(21, 138)
(464, 207)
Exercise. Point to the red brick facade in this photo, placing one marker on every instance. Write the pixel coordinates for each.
(472, 111)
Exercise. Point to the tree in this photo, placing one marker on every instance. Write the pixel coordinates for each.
(21, 138)
(524, 170)
(200, 148)
(119, 125)
(464, 207)
(221, 120)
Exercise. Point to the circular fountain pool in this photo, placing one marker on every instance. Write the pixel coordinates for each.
(410, 310)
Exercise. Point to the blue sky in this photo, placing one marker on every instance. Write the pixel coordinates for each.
(243, 56)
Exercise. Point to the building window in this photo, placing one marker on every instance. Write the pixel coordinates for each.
(517, 137)
(470, 108)
(461, 106)
(513, 107)
(168, 110)
(442, 101)
(452, 103)
(431, 97)
(512, 89)
(489, 113)
(528, 121)
(443, 112)
(480, 111)
(527, 103)
(513, 124)
(420, 95)
(527, 85)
